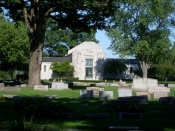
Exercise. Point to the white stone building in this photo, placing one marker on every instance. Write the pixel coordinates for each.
(88, 59)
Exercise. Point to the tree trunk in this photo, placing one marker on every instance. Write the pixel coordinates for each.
(36, 36)
(144, 66)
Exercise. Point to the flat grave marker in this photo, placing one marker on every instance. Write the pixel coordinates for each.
(41, 87)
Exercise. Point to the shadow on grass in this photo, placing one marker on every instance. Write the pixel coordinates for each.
(159, 117)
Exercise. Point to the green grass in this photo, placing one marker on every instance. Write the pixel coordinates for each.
(159, 117)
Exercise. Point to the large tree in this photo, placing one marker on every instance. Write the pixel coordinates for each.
(14, 46)
(77, 15)
(59, 41)
(141, 29)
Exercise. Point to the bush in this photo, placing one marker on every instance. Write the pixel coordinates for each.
(129, 107)
(42, 108)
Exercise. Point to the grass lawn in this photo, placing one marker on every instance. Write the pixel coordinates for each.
(159, 117)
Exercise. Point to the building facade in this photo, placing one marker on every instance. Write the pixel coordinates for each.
(88, 59)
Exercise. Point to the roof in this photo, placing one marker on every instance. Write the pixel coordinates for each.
(126, 61)
(58, 59)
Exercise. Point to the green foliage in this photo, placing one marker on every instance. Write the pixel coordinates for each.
(63, 69)
(128, 107)
(42, 108)
(59, 41)
(24, 125)
(140, 29)
(14, 47)
(114, 67)
(4, 75)
(162, 71)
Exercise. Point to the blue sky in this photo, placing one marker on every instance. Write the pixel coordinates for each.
(104, 42)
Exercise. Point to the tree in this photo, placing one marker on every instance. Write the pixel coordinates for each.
(114, 67)
(59, 41)
(14, 47)
(62, 69)
(141, 29)
(162, 71)
(76, 15)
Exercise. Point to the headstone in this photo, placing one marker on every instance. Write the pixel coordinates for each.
(106, 94)
(101, 84)
(142, 84)
(166, 100)
(127, 115)
(52, 96)
(8, 95)
(158, 89)
(143, 94)
(59, 86)
(86, 93)
(171, 85)
(158, 95)
(135, 99)
(126, 84)
(23, 85)
(16, 98)
(10, 89)
(1, 85)
(124, 128)
(114, 84)
(124, 92)
(41, 87)
(95, 90)
(96, 115)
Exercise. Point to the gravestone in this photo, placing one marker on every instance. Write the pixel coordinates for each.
(106, 94)
(86, 93)
(171, 85)
(8, 95)
(166, 100)
(52, 96)
(143, 94)
(101, 84)
(127, 115)
(135, 99)
(114, 84)
(59, 86)
(23, 85)
(96, 90)
(158, 89)
(142, 84)
(10, 89)
(158, 95)
(1, 85)
(96, 115)
(41, 87)
(124, 92)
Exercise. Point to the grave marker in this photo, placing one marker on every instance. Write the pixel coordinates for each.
(158, 95)
(143, 94)
(86, 93)
(124, 92)
(95, 90)
(41, 87)
(106, 94)
(59, 86)
(1, 85)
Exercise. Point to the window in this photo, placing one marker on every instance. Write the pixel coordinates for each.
(89, 68)
(44, 68)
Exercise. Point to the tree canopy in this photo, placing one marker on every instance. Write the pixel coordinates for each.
(114, 67)
(59, 41)
(76, 15)
(141, 29)
(14, 46)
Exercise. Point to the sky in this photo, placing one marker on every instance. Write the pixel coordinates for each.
(104, 42)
